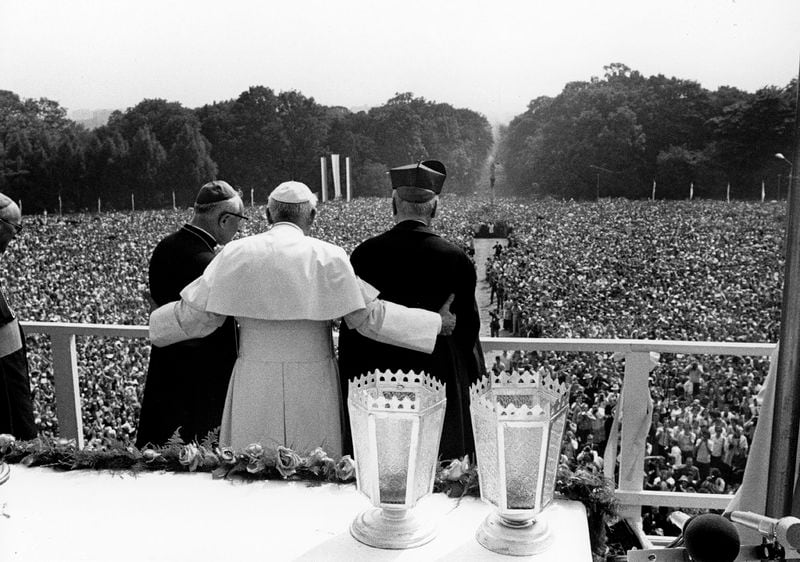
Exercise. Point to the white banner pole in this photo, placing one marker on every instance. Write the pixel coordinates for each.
(337, 179)
(347, 177)
(323, 165)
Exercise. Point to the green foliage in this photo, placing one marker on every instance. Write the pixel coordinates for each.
(611, 136)
(406, 129)
(254, 141)
(640, 129)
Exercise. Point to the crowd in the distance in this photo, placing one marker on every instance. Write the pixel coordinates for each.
(700, 270)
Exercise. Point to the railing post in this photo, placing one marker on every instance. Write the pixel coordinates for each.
(637, 415)
(68, 394)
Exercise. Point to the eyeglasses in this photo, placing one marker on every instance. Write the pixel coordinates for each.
(17, 227)
(234, 214)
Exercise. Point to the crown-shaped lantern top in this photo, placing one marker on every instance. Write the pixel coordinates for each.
(518, 395)
(399, 391)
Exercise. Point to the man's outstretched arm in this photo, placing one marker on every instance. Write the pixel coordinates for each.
(178, 321)
(394, 324)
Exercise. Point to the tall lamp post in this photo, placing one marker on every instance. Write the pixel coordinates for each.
(780, 156)
(781, 472)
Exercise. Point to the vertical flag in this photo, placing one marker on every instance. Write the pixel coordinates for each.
(337, 176)
(251, 197)
(728, 196)
(691, 191)
(347, 178)
(653, 196)
(323, 170)
(133, 207)
(763, 194)
(59, 205)
(174, 207)
(98, 205)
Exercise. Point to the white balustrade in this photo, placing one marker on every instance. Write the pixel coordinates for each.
(638, 364)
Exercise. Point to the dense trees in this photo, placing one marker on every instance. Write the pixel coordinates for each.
(254, 141)
(406, 129)
(610, 136)
(625, 131)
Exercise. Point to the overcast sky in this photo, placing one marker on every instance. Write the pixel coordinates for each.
(493, 57)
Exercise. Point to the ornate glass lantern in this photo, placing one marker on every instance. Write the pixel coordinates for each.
(396, 421)
(518, 420)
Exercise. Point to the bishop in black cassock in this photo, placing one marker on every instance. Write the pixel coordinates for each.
(187, 382)
(16, 403)
(413, 266)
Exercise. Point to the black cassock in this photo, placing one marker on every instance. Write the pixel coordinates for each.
(413, 266)
(186, 382)
(16, 404)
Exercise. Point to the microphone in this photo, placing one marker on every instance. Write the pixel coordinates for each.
(786, 529)
(705, 538)
(711, 538)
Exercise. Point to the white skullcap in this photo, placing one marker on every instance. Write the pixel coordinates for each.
(292, 192)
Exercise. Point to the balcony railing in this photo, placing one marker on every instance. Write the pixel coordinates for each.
(636, 355)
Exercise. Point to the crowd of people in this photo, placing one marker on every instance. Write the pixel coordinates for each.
(696, 271)
(700, 270)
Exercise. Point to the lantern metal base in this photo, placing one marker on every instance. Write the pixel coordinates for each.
(516, 539)
(391, 528)
(5, 472)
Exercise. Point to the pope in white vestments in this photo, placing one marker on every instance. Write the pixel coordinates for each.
(285, 288)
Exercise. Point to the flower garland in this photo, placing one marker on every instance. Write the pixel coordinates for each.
(456, 478)
(176, 456)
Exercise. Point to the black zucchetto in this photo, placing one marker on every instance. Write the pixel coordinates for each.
(214, 192)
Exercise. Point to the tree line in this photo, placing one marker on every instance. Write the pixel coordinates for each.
(254, 142)
(625, 131)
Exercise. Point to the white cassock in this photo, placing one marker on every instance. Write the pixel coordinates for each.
(284, 288)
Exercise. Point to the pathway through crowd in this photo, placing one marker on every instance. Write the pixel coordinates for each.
(484, 248)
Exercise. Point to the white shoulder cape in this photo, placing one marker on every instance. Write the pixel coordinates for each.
(278, 275)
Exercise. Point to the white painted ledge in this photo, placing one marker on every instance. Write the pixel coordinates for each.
(98, 516)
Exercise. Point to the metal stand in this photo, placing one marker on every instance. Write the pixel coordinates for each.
(517, 538)
(5, 472)
(391, 528)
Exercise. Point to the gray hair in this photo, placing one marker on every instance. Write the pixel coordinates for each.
(290, 212)
(417, 209)
(209, 208)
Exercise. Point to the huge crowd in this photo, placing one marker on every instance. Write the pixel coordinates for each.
(699, 270)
